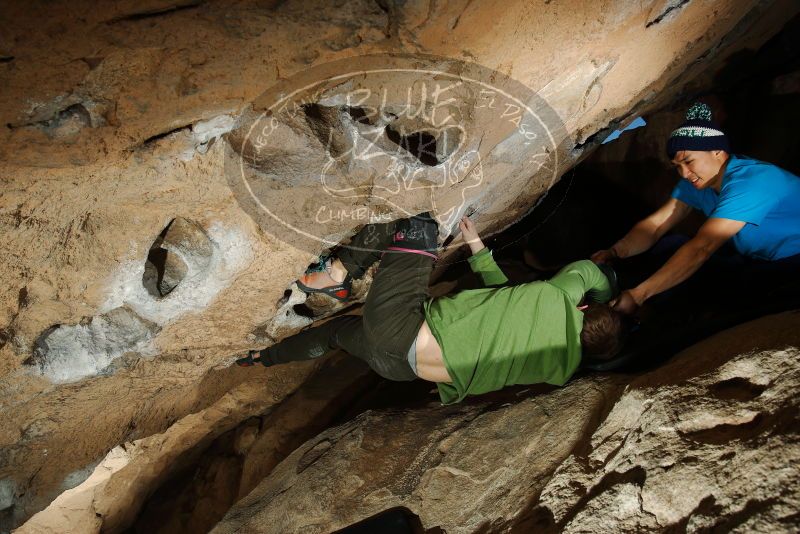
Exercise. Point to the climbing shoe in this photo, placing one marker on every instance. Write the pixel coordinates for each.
(320, 273)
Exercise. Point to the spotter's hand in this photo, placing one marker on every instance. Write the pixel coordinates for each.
(604, 256)
(625, 303)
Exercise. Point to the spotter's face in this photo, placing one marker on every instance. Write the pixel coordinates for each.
(700, 168)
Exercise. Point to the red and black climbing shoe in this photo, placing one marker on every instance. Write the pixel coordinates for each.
(317, 279)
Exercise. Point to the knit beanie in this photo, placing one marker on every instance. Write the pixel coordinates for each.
(697, 133)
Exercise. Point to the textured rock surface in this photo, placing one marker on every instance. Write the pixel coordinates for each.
(114, 121)
(110, 499)
(709, 441)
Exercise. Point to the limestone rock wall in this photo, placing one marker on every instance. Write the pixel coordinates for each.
(116, 133)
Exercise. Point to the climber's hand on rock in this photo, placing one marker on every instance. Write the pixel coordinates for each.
(470, 234)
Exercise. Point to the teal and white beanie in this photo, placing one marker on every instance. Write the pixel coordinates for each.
(697, 133)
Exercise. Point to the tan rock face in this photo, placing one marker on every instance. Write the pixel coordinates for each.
(134, 271)
(703, 443)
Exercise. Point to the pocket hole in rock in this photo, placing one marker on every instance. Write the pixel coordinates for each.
(181, 249)
(737, 388)
(285, 298)
(303, 310)
(326, 125)
(359, 115)
(163, 271)
(421, 145)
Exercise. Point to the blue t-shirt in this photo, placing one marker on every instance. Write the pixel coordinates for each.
(760, 194)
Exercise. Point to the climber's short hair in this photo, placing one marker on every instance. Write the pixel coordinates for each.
(604, 331)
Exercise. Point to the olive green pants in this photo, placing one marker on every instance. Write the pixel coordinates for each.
(392, 314)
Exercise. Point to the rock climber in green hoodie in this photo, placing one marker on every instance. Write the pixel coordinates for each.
(469, 343)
